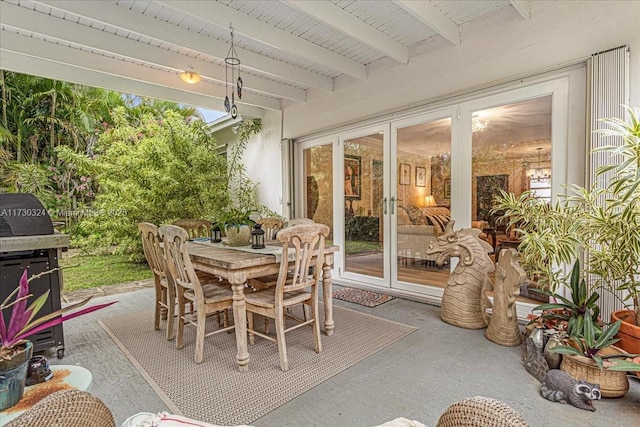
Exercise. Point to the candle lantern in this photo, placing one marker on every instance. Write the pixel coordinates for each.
(216, 233)
(257, 237)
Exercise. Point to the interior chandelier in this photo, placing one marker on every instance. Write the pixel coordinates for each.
(478, 124)
(539, 174)
(232, 66)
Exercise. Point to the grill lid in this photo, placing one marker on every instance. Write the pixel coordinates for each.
(22, 214)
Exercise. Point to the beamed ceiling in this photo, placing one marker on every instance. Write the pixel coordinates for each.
(286, 47)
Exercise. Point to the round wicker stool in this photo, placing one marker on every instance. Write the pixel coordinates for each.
(480, 412)
(66, 408)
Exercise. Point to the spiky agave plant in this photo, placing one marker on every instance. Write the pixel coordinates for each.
(23, 322)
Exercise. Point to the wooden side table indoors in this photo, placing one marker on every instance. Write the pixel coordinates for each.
(64, 377)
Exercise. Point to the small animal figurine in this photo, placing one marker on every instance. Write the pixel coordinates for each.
(533, 360)
(558, 386)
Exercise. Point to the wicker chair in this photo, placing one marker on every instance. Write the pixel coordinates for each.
(66, 408)
(480, 411)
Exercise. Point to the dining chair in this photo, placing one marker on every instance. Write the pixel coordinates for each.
(299, 221)
(194, 227)
(294, 286)
(165, 295)
(270, 227)
(208, 299)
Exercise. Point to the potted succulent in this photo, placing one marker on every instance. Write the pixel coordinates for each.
(15, 349)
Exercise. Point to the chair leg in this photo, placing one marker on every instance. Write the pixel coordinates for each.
(282, 345)
(156, 311)
(164, 297)
(316, 325)
(181, 315)
(200, 329)
(252, 337)
(267, 325)
(171, 308)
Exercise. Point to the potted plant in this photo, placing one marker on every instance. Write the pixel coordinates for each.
(603, 221)
(237, 225)
(15, 349)
(566, 314)
(615, 248)
(589, 353)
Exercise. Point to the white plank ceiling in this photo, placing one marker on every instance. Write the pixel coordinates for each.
(286, 47)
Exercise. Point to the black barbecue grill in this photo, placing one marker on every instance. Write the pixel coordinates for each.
(28, 240)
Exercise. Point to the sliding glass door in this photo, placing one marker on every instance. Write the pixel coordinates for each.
(390, 189)
(422, 150)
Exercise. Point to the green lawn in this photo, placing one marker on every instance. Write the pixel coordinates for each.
(91, 271)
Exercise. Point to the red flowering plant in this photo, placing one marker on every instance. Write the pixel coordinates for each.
(23, 322)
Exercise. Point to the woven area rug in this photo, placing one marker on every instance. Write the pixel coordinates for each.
(215, 391)
(362, 297)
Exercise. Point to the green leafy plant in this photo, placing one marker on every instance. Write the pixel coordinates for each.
(602, 221)
(589, 341)
(549, 235)
(23, 322)
(234, 217)
(573, 310)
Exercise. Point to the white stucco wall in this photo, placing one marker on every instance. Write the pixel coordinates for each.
(263, 160)
(558, 33)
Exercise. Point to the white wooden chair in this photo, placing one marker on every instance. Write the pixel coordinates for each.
(195, 227)
(293, 286)
(208, 299)
(270, 227)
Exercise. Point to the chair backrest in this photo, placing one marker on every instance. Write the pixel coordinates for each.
(175, 239)
(308, 242)
(152, 249)
(299, 221)
(270, 227)
(194, 227)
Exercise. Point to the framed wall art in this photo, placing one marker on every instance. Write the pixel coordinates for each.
(447, 188)
(352, 177)
(421, 176)
(405, 174)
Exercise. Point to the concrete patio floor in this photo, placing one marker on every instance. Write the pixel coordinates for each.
(417, 377)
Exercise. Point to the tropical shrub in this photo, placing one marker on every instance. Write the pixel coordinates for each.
(155, 171)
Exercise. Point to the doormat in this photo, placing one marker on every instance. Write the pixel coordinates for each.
(362, 297)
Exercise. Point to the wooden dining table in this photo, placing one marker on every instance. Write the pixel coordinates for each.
(237, 267)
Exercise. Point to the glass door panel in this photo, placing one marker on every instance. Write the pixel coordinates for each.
(511, 151)
(423, 157)
(363, 201)
(318, 194)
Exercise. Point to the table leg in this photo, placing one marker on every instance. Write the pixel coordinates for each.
(327, 296)
(240, 322)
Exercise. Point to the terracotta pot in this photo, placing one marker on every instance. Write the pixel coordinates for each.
(612, 383)
(629, 333)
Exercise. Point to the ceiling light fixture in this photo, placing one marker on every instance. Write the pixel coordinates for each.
(232, 64)
(539, 174)
(190, 77)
